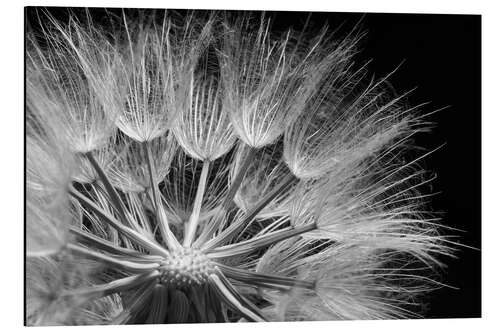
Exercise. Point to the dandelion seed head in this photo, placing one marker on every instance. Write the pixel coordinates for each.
(145, 82)
(200, 168)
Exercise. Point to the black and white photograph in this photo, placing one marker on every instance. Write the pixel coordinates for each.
(196, 165)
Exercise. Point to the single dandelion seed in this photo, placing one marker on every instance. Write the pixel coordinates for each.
(146, 81)
(261, 85)
(203, 130)
(343, 123)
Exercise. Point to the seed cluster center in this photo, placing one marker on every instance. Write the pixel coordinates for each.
(186, 267)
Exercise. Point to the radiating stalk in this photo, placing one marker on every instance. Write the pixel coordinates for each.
(140, 239)
(253, 244)
(217, 219)
(278, 287)
(103, 244)
(112, 287)
(242, 299)
(247, 276)
(273, 226)
(234, 228)
(192, 224)
(123, 264)
(100, 191)
(161, 216)
(113, 195)
(229, 298)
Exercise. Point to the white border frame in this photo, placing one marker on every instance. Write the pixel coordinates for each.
(12, 175)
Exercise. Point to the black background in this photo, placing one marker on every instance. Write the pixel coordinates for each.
(442, 58)
(443, 55)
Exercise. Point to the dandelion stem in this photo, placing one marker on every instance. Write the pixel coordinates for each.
(261, 241)
(123, 264)
(249, 216)
(190, 229)
(126, 231)
(161, 216)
